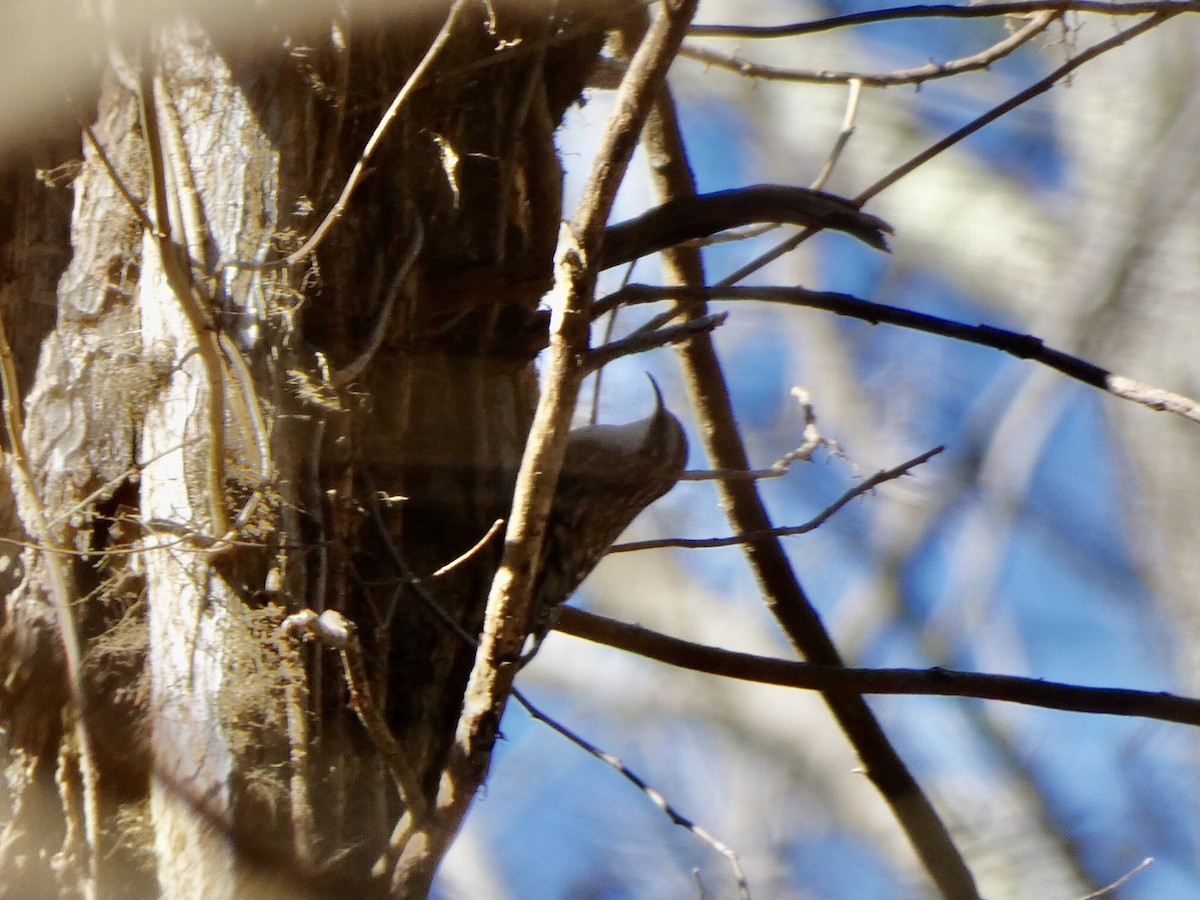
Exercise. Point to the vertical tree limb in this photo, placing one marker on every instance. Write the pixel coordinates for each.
(418, 849)
(25, 488)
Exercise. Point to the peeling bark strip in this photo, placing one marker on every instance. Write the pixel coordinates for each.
(218, 433)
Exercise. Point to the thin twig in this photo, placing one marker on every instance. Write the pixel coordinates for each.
(775, 470)
(811, 443)
(1016, 100)
(406, 573)
(617, 10)
(656, 798)
(116, 179)
(297, 705)
(610, 327)
(108, 487)
(172, 244)
(738, 539)
(947, 11)
(847, 131)
(474, 551)
(928, 72)
(341, 377)
(1109, 888)
(935, 682)
(199, 542)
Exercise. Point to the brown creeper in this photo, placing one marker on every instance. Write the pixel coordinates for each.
(609, 475)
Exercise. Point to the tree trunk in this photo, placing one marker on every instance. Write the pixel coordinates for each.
(222, 448)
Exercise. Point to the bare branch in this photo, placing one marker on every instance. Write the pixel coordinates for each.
(843, 138)
(1109, 888)
(1018, 99)
(508, 603)
(811, 443)
(347, 373)
(173, 243)
(508, 613)
(133, 203)
(1022, 346)
(928, 72)
(472, 552)
(936, 682)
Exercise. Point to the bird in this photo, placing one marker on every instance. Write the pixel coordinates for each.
(610, 474)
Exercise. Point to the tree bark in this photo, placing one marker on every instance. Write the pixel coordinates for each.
(198, 440)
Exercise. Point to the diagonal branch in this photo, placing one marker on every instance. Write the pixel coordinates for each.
(641, 341)
(656, 797)
(1018, 99)
(781, 589)
(824, 516)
